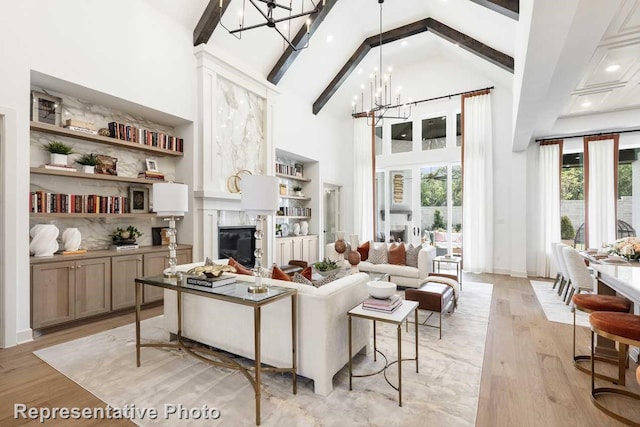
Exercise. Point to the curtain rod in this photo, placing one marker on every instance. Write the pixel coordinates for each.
(582, 135)
(365, 113)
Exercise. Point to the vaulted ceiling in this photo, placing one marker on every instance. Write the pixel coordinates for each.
(561, 50)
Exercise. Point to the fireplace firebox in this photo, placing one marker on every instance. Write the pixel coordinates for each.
(237, 242)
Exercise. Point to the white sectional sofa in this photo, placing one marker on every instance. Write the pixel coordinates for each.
(323, 345)
(401, 275)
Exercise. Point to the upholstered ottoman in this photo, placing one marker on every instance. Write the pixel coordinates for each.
(432, 296)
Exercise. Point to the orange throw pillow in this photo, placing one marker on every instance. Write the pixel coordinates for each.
(397, 254)
(278, 274)
(307, 272)
(363, 249)
(240, 269)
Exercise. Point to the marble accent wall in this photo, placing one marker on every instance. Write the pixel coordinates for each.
(96, 232)
(240, 131)
(233, 218)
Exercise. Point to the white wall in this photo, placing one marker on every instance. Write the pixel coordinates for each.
(124, 48)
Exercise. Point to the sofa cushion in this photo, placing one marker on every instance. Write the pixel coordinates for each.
(411, 258)
(397, 254)
(378, 254)
(278, 274)
(440, 236)
(363, 249)
(240, 269)
(307, 272)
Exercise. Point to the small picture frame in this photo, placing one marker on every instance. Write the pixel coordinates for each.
(298, 169)
(138, 199)
(107, 165)
(152, 165)
(46, 108)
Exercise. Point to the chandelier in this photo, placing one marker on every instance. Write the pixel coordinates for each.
(266, 8)
(382, 97)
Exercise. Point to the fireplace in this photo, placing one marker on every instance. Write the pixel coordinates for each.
(237, 242)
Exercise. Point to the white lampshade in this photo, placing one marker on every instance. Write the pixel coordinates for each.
(170, 199)
(259, 194)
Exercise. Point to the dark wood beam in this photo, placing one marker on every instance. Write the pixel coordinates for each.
(510, 8)
(470, 44)
(299, 41)
(209, 21)
(429, 24)
(361, 52)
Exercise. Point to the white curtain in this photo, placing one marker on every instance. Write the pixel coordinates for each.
(602, 194)
(548, 207)
(362, 180)
(477, 203)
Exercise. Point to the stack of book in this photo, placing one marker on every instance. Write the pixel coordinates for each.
(388, 305)
(58, 167)
(124, 247)
(208, 283)
(81, 126)
(151, 175)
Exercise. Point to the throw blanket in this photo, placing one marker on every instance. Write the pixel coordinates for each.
(445, 281)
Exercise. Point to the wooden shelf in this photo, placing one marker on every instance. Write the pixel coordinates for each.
(55, 130)
(292, 217)
(295, 178)
(91, 215)
(296, 198)
(82, 175)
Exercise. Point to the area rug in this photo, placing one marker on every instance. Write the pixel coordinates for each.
(444, 392)
(554, 308)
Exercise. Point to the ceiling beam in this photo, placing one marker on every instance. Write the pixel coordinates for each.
(209, 21)
(509, 8)
(290, 55)
(429, 24)
(470, 44)
(361, 52)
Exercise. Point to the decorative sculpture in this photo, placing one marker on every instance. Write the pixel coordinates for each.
(296, 229)
(304, 228)
(353, 256)
(340, 245)
(71, 238)
(43, 239)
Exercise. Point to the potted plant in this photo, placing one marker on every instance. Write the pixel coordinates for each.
(297, 190)
(325, 267)
(58, 152)
(125, 236)
(88, 162)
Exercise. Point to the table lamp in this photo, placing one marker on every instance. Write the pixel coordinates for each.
(259, 200)
(171, 200)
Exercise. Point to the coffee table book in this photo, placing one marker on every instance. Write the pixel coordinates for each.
(207, 284)
(388, 305)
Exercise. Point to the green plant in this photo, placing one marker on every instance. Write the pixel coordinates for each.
(125, 234)
(87, 160)
(457, 228)
(438, 221)
(57, 147)
(325, 265)
(297, 188)
(567, 232)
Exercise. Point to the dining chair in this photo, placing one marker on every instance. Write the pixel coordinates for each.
(581, 278)
(556, 264)
(563, 267)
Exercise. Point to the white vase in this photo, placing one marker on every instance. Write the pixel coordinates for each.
(296, 229)
(71, 238)
(58, 159)
(88, 169)
(43, 239)
(304, 228)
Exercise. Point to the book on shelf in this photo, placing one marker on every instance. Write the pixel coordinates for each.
(207, 283)
(151, 175)
(124, 247)
(388, 305)
(81, 129)
(80, 124)
(76, 252)
(59, 167)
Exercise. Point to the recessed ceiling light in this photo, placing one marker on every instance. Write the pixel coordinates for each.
(359, 70)
(586, 104)
(404, 43)
(612, 68)
(329, 38)
(404, 135)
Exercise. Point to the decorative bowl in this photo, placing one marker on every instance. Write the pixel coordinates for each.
(381, 289)
(326, 273)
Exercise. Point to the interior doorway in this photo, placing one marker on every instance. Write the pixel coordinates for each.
(332, 214)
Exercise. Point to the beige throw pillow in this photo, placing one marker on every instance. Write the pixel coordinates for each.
(412, 255)
(378, 254)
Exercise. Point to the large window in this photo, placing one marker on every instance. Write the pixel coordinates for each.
(572, 198)
(458, 130)
(434, 133)
(402, 137)
(378, 140)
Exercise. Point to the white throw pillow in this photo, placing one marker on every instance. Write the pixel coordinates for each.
(378, 254)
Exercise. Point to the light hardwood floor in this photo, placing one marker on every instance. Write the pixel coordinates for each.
(527, 378)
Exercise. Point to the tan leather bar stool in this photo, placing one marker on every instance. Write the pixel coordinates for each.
(590, 303)
(624, 328)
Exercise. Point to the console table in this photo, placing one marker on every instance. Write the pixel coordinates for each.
(234, 293)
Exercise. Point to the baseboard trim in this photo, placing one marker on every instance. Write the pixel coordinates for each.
(24, 336)
(501, 271)
(519, 274)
